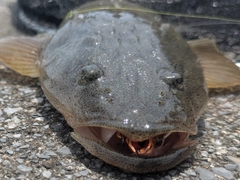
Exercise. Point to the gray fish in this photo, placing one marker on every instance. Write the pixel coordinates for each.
(130, 87)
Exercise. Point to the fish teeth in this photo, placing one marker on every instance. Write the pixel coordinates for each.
(120, 136)
(187, 136)
(166, 135)
(162, 140)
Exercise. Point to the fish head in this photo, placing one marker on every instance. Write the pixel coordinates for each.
(129, 86)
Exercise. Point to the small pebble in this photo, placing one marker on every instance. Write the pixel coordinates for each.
(6, 162)
(10, 111)
(37, 100)
(190, 172)
(77, 175)
(40, 119)
(229, 55)
(204, 174)
(227, 105)
(222, 172)
(83, 173)
(230, 167)
(68, 176)
(42, 156)
(26, 90)
(99, 163)
(211, 151)
(204, 153)
(232, 149)
(24, 146)
(49, 153)
(37, 135)
(236, 160)
(3, 140)
(24, 156)
(11, 125)
(185, 165)
(16, 119)
(10, 152)
(172, 172)
(46, 174)
(218, 142)
(17, 136)
(50, 144)
(64, 151)
(54, 178)
(58, 126)
(16, 145)
(24, 168)
(20, 160)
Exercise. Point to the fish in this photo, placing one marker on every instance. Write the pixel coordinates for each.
(129, 85)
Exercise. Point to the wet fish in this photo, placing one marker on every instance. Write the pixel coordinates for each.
(130, 87)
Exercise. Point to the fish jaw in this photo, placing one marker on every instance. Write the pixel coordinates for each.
(157, 153)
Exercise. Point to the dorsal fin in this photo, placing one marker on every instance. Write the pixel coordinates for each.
(219, 71)
(22, 54)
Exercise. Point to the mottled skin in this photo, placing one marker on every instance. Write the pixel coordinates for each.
(140, 61)
(130, 87)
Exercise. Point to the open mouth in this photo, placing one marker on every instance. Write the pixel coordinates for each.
(156, 146)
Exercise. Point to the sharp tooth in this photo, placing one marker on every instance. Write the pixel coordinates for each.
(166, 135)
(106, 134)
(157, 140)
(119, 135)
(186, 137)
(132, 148)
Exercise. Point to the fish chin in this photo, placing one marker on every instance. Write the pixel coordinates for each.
(156, 153)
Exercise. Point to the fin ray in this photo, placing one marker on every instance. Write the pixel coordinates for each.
(22, 54)
(219, 71)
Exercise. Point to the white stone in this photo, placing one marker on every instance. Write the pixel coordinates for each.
(47, 174)
(222, 172)
(24, 168)
(10, 111)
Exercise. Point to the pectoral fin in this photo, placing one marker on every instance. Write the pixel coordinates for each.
(219, 71)
(22, 54)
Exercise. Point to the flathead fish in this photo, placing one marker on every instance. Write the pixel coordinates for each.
(131, 87)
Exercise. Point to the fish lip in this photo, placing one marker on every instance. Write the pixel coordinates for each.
(170, 141)
(139, 131)
(134, 163)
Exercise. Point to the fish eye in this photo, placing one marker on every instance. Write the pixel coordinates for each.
(179, 81)
(174, 80)
(89, 73)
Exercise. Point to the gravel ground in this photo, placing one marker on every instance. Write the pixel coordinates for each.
(35, 141)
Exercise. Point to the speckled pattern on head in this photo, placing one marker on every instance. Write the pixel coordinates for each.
(135, 59)
(141, 61)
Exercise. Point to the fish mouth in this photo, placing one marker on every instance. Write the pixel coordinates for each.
(161, 144)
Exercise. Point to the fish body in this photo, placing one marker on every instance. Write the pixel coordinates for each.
(139, 60)
(130, 87)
